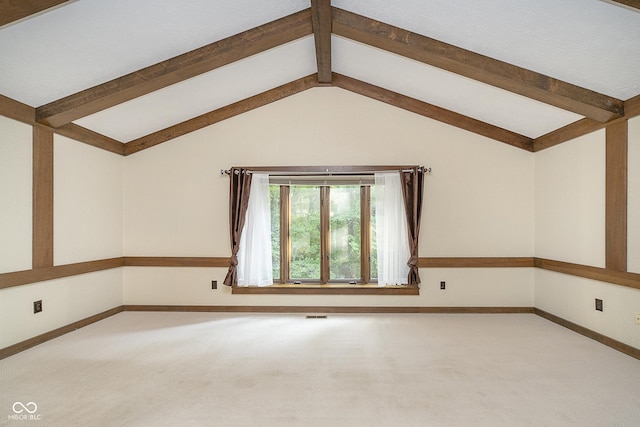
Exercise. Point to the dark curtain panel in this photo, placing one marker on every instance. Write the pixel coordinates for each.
(412, 186)
(240, 186)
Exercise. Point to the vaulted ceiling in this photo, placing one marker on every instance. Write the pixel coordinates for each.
(130, 74)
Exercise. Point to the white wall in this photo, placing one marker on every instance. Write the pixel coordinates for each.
(570, 226)
(633, 216)
(477, 199)
(87, 216)
(87, 226)
(573, 298)
(15, 193)
(570, 201)
(64, 301)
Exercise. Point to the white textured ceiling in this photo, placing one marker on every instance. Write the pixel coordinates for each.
(447, 90)
(589, 43)
(88, 42)
(206, 92)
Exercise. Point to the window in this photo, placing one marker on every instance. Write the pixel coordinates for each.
(323, 232)
(324, 228)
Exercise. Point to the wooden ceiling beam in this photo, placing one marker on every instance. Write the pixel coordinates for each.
(433, 112)
(321, 20)
(16, 110)
(634, 4)
(221, 114)
(26, 114)
(478, 67)
(13, 10)
(583, 127)
(567, 133)
(177, 69)
(89, 137)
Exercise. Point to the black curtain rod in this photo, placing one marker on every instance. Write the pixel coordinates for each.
(276, 172)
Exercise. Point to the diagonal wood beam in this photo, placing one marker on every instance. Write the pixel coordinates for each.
(221, 114)
(89, 137)
(176, 69)
(478, 67)
(16, 110)
(321, 19)
(583, 127)
(635, 4)
(567, 133)
(433, 112)
(24, 113)
(13, 10)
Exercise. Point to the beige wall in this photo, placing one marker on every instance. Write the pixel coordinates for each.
(15, 193)
(64, 301)
(482, 198)
(87, 202)
(570, 226)
(477, 198)
(87, 226)
(570, 201)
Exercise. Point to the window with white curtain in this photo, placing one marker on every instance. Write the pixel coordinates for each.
(320, 229)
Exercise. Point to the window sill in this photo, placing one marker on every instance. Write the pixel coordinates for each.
(328, 289)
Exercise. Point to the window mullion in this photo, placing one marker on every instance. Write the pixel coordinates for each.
(365, 234)
(325, 234)
(285, 247)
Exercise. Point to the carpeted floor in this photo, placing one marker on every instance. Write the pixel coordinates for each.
(208, 369)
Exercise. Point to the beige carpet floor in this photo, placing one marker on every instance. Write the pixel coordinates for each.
(208, 369)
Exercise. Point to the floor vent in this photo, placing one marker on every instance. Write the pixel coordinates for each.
(317, 317)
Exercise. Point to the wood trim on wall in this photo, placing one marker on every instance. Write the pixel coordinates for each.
(326, 309)
(630, 280)
(42, 237)
(32, 342)
(18, 278)
(325, 290)
(603, 339)
(221, 262)
(475, 262)
(616, 195)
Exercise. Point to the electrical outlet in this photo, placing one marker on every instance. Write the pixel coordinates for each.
(214, 284)
(599, 304)
(443, 285)
(638, 318)
(37, 306)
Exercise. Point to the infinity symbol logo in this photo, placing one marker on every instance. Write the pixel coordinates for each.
(30, 407)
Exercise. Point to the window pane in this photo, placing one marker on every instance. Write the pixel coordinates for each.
(345, 233)
(304, 232)
(374, 241)
(274, 198)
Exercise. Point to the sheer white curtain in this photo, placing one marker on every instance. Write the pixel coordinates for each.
(391, 230)
(254, 253)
